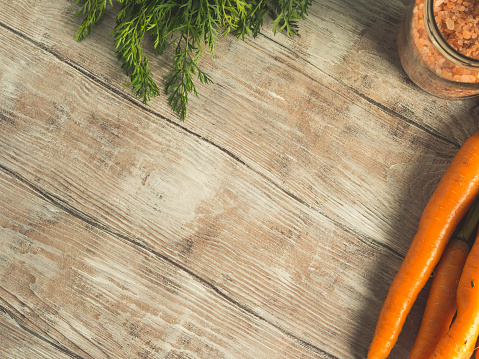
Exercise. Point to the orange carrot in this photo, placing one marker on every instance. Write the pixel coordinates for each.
(441, 303)
(460, 339)
(448, 204)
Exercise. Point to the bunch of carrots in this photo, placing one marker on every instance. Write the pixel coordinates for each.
(447, 242)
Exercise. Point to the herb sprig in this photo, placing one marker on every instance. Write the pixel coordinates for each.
(187, 26)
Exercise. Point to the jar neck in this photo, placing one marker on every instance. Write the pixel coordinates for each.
(440, 43)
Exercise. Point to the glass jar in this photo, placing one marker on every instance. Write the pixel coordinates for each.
(442, 67)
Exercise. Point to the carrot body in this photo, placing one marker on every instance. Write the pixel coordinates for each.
(448, 204)
(460, 339)
(441, 303)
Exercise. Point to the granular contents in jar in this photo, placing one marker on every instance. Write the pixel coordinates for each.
(458, 22)
(449, 21)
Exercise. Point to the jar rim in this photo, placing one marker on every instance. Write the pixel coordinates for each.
(440, 42)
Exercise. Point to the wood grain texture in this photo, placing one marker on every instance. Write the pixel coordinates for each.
(268, 225)
(304, 157)
(203, 227)
(87, 294)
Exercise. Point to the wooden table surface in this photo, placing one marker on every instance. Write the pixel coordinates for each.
(267, 225)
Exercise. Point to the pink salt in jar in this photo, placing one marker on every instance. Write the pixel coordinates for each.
(438, 45)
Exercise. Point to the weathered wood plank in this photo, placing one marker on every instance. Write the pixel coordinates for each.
(320, 121)
(299, 177)
(351, 44)
(93, 154)
(71, 290)
(18, 342)
(355, 42)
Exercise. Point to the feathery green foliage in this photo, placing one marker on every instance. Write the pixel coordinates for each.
(186, 26)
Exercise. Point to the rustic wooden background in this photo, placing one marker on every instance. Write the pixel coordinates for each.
(267, 225)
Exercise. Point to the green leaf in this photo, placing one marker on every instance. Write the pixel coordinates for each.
(92, 10)
(187, 27)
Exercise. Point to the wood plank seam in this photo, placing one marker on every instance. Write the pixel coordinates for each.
(222, 149)
(394, 113)
(84, 217)
(130, 99)
(376, 104)
(59, 347)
